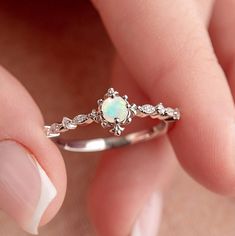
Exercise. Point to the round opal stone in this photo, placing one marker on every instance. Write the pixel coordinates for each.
(114, 108)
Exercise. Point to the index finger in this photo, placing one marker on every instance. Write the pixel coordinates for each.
(166, 47)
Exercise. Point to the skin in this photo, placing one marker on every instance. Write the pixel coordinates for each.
(69, 65)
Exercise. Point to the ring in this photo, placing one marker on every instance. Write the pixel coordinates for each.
(113, 112)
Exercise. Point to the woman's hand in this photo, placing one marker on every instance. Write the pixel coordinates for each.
(168, 53)
(164, 53)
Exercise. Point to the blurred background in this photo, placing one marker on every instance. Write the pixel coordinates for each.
(61, 53)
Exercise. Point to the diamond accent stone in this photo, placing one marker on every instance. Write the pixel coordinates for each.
(170, 111)
(148, 109)
(55, 128)
(94, 116)
(80, 119)
(176, 115)
(160, 109)
(68, 123)
(114, 108)
(133, 109)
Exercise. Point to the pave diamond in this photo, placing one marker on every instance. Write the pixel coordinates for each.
(68, 123)
(80, 119)
(160, 109)
(134, 109)
(55, 128)
(148, 109)
(176, 115)
(170, 112)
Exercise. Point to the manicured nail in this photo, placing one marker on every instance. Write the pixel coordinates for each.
(148, 221)
(25, 189)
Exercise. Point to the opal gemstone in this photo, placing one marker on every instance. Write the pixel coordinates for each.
(114, 108)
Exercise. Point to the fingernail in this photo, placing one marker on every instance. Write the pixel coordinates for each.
(148, 221)
(25, 189)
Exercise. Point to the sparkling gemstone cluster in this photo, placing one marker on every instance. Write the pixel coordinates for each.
(159, 110)
(114, 112)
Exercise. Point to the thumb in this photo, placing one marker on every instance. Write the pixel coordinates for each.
(32, 172)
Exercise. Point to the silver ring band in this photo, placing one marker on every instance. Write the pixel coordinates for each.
(113, 112)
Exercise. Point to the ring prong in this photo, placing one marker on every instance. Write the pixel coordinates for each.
(111, 90)
(129, 119)
(118, 132)
(117, 120)
(125, 97)
(104, 124)
(99, 102)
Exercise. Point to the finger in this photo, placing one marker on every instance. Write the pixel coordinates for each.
(205, 8)
(222, 33)
(32, 173)
(126, 195)
(165, 46)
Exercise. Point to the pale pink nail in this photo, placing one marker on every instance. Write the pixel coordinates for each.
(25, 189)
(148, 221)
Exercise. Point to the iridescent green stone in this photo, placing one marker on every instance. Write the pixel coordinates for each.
(114, 108)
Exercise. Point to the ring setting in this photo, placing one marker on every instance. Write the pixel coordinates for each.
(114, 112)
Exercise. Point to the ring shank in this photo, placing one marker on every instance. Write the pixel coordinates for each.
(101, 144)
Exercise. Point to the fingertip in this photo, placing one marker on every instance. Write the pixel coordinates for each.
(32, 171)
(212, 163)
(124, 183)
